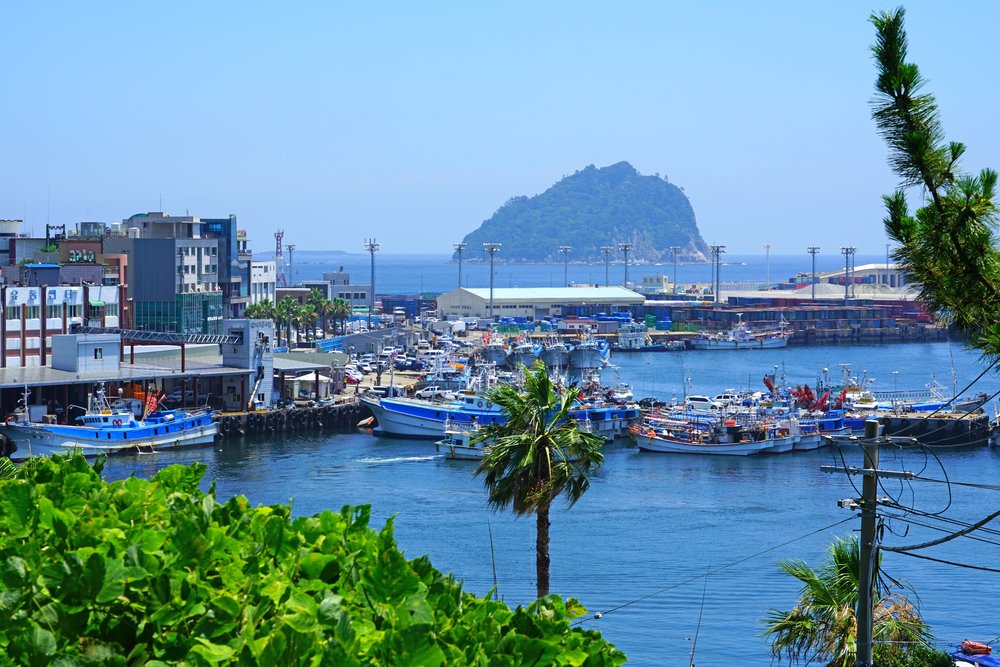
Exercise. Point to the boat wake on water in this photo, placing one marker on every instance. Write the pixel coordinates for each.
(396, 459)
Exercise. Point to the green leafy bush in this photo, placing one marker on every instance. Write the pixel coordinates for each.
(888, 655)
(157, 572)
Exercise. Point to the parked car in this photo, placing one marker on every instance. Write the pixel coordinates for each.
(702, 404)
(365, 367)
(434, 391)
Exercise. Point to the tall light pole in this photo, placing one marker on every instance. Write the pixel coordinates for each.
(459, 247)
(564, 249)
(492, 249)
(767, 265)
(813, 249)
(372, 247)
(625, 248)
(717, 251)
(291, 265)
(847, 252)
(607, 250)
(675, 249)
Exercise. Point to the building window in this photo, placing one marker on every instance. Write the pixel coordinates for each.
(98, 353)
(13, 312)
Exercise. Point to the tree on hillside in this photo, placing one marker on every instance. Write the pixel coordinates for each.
(822, 626)
(536, 455)
(947, 244)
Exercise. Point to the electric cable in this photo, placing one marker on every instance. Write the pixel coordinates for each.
(600, 614)
(981, 568)
(946, 538)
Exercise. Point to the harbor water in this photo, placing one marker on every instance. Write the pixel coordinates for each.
(652, 525)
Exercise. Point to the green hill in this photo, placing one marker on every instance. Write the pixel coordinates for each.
(593, 208)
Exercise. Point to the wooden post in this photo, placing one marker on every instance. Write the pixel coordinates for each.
(868, 567)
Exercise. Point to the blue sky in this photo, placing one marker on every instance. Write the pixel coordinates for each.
(413, 122)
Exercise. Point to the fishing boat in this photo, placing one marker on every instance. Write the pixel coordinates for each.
(416, 418)
(589, 353)
(111, 428)
(457, 443)
(555, 355)
(494, 352)
(632, 337)
(524, 353)
(742, 337)
(727, 441)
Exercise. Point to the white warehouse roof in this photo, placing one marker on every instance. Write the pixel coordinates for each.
(557, 294)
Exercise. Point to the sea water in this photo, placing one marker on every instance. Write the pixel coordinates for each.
(652, 525)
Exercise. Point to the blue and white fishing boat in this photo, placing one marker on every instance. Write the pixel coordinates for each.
(589, 353)
(417, 418)
(110, 428)
(555, 355)
(524, 353)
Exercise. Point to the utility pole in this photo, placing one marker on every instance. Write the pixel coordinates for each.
(813, 249)
(675, 250)
(372, 247)
(887, 264)
(459, 247)
(606, 249)
(767, 265)
(492, 249)
(564, 249)
(625, 248)
(717, 251)
(868, 549)
(291, 265)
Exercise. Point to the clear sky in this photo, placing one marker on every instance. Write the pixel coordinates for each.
(412, 122)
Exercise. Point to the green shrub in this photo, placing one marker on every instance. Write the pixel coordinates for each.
(888, 655)
(157, 572)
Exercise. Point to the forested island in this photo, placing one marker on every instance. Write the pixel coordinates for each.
(592, 208)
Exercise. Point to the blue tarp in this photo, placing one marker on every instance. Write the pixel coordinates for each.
(984, 660)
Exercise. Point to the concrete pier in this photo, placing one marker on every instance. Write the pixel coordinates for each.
(293, 420)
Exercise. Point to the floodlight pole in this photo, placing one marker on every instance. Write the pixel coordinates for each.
(372, 247)
(606, 249)
(813, 249)
(625, 248)
(564, 249)
(459, 247)
(675, 249)
(717, 251)
(492, 249)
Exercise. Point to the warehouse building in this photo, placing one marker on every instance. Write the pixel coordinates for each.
(535, 303)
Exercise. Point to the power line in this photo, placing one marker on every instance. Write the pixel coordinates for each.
(981, 568)
(600, 614)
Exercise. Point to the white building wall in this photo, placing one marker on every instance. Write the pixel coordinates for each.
(263, 281)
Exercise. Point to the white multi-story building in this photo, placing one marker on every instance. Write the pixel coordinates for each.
(33, 314)
(263, 281)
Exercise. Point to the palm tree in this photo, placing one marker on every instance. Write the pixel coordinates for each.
(536, 455)
(822, 626)
(285, 314)
(317, 302)
(341, 310)
(307, 318)
(262, 310)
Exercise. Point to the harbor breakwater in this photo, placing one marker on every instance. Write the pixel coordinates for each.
(337, 416)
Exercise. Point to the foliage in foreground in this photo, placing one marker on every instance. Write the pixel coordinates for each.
(158, 572)
(822, 626)
(948, 245)
(888, 655)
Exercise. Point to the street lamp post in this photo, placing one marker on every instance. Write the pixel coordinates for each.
(564, 249)
(767, 265)
(492, 249)
(459, 247)
(606, 249)
(291, 265)
(847, 252)
(675, 249)
(717, 251)
(372, 247)
(813, 249)
(625, 248)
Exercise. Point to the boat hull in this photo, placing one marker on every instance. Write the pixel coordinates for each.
(555, 358)
(36, 440)
(586, 357)
(458, 452)
(764, 344)
(661, 445)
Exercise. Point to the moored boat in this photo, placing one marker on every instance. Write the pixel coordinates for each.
(742, 337)
(111, 428)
